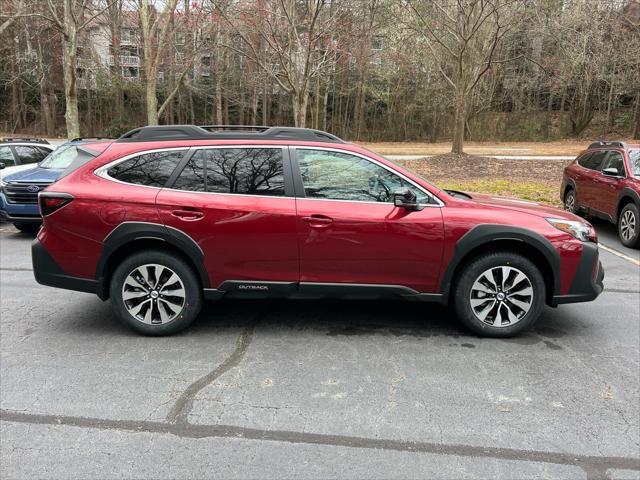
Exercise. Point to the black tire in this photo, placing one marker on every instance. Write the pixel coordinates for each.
(30, 228)
(462, 295)
(191, 301)
(629, 233)
(570, 201)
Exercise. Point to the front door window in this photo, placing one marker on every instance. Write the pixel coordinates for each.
(341, 176)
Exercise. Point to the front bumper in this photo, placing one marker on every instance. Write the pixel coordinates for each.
(588, 282)
(48, 272)
(19, 213)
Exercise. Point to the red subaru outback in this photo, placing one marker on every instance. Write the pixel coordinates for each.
(168, 216)
(604, 181)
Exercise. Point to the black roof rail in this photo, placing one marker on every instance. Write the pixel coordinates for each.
(226, 132)
(79, 139)
(258, 128)
(30, 140)
(602, 144)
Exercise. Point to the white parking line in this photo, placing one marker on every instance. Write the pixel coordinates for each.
(619, 254)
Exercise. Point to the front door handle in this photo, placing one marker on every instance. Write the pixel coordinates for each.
(189, 215)
(318, 221)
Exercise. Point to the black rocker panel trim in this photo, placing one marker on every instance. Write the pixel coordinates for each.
(313, 290)
(483, 234)
(129, 232)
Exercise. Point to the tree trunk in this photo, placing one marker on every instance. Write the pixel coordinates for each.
(265, 103)
(300, 101)
(70, 87)
(459, 122)
(218, 108)
(46, 112)
(608, 122)
(635, 134)
(151, 98)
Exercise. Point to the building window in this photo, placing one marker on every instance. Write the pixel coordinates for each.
(378, 42)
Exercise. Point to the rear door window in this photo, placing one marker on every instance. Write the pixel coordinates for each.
(249, 171)
(151, 169)
(593, 161)
(29, 154)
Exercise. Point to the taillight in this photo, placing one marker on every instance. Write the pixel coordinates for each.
(52, 201)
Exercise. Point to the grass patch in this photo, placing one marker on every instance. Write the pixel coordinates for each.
(533, 191)
(534, 180)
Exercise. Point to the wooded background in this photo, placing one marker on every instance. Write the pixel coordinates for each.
(362, 69)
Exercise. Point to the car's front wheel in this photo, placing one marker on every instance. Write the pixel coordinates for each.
(629, 226)
(155, 293)
(499, 294)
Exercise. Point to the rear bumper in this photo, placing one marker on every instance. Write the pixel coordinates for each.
(48, 272)
(588, 282)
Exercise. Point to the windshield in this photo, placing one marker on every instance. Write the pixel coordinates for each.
(61, 157)
(634, 162)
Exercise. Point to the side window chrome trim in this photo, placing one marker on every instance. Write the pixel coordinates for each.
(439, 203)
(102, 171)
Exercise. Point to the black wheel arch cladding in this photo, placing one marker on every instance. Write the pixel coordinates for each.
(129, 232)
(486, 233)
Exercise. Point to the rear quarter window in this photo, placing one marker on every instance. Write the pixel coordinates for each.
(593, 160)
(72, 157)
(151, 169)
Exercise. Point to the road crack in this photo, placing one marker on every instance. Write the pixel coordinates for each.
(181, 409)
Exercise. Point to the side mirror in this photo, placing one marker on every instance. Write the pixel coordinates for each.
(2, 165)
(611, 172)
(406, 199)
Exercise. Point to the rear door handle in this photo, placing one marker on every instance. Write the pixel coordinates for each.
(188, 214)
(318, 221)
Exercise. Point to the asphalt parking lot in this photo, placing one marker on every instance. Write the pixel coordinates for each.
(301, 389)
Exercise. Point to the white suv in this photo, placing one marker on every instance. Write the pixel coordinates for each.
(22, 153)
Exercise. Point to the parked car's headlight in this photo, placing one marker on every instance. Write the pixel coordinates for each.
(580, 230)
(2, 185)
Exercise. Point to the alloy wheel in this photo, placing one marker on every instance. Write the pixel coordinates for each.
(627, 225)
(153, 294)
(570, 202)
(501, 296)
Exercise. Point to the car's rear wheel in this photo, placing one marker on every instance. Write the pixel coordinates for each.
(155, 293)
(27, 227)
(629, 226)
(570, 204)
(499, 294)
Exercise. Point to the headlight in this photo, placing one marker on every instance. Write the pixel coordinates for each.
(2, 185)
(580, 230)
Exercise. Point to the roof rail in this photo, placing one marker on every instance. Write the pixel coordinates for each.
(79, 139)
(16, 140)
(603, 144)
(226, 132)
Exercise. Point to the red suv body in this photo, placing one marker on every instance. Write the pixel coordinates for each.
(167, 216)
(604, 181)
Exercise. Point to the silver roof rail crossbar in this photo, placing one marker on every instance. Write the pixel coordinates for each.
(24, 140)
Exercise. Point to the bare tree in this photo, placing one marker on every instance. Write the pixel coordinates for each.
(155, 30)
(71, 22)
(463, 37)
(297, 36)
